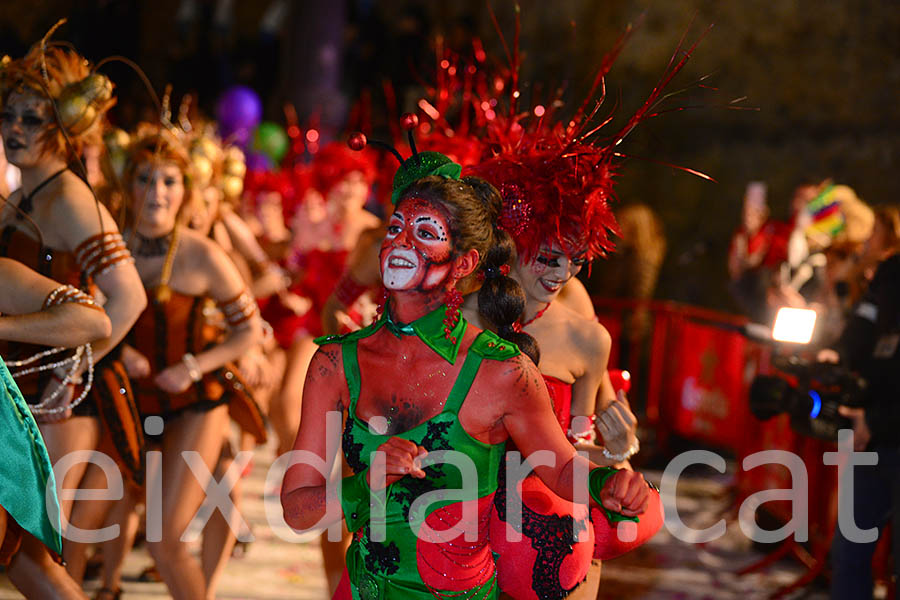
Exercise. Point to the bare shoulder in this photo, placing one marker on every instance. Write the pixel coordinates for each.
(513, 382)
(575, 296)
(588, 335)
(327, 362)
(200, 257)
(326, 372)
(78, 212)
(201, 251)
(371, 237)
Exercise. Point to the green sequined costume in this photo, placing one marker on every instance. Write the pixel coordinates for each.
(25, 470)
(400, 565)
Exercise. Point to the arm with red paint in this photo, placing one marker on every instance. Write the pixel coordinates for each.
(304, 493)
(529, 421)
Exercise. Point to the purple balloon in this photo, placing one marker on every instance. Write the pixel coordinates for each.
(239, 111)
(257, 161)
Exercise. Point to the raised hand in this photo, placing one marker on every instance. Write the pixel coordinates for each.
(401, 458)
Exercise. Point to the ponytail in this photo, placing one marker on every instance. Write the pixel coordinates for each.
(501, 300)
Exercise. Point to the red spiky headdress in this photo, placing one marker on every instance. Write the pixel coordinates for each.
(555, 192)
(556, 182)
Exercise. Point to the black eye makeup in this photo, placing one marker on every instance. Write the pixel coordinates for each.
(546, 259)
(32, 120)
(553, 261)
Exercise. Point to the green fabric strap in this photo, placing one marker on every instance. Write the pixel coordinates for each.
(596, 481)
(463, 382)
(351, 373)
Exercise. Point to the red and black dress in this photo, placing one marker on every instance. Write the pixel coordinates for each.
(557, 539)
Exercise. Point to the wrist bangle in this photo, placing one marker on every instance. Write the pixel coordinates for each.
(586, 431)
(634, 449)
(193, 367)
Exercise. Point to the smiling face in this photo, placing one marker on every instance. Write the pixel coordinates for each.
(24, 119)
(544, 276)
(417, 252)
(157, 193)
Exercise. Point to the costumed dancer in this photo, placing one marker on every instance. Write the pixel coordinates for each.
(556, 186)
(35, 310)
(421, 380)
(53, 106)
(179, 364)
(559, 222)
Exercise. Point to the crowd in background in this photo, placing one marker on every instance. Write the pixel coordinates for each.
(822, 257)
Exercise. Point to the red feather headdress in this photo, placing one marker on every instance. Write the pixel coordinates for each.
(557, 183)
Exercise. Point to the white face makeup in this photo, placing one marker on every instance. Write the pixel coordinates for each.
(24, 119)
(157, 194)
(417, 251)
(544, 276)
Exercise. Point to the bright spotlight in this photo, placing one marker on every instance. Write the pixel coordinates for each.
(794, 325)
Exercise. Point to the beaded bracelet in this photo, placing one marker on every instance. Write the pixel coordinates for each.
(634, 449)
(67, 293)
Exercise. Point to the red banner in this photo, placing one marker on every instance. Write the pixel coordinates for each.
(703, 395)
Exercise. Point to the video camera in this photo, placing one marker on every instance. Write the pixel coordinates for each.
(809, 391)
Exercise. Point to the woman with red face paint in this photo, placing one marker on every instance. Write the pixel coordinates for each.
(422, 381)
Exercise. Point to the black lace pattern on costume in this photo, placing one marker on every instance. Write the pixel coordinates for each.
(352, 449)
(380, 557)
(408, 489)
(552, 536)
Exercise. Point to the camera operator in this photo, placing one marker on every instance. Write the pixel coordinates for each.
(869, 345)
